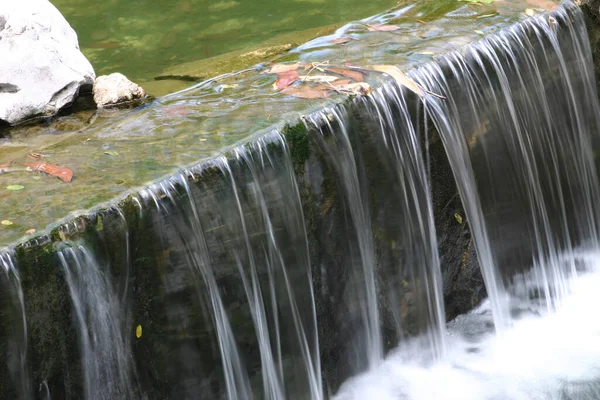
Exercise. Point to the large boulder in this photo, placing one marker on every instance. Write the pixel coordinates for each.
(41, 67)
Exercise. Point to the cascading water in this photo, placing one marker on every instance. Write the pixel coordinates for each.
(518, 113)
(100, 320)
(523, 159)
(293, 264)
(14, 331)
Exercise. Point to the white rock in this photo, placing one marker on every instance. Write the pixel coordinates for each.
(41, 66)
(115, 88)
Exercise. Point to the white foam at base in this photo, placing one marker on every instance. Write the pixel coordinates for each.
(549, 356)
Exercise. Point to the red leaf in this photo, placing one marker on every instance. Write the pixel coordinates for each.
(382, 28)
(348, 73)
(62, 173)
(305, 92)
(285, 79)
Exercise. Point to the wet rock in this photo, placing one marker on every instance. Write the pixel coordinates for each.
(41, 67)
(114, 89)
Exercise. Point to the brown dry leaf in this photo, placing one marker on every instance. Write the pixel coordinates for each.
(176, 111)
(282, 68)
(348, 73)
(356, 88)
(547, 5)
(285, 79)
(305, 92)
(318, 78)
(63, 173)
(342, 40)
(400, 77)
(382, 28)
(30, 231)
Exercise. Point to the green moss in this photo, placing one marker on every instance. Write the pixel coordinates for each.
(297, 138)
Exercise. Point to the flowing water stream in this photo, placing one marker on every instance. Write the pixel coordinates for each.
(308, 263)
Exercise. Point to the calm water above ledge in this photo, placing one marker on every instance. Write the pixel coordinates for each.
(122, 150)
(140, 38)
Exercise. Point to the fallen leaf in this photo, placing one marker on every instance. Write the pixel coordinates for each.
(427, 53)
(529, 12)
(285, 79)
(458, 218)
(305, 92)
(545, 4)
(229, 86)
(63, 173)
(356, 88)
(318, 78)
(37, 178)
(138, 331)
(348, 73)
(15, 187)
(30, 231)
(281, 68)
(342, 40)
(400, 77)
(382, 28)
(479, 32)
(6, 222)
(176, 111)
(111, 153)
(35, 156)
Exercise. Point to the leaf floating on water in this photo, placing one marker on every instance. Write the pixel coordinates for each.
(15, 187)
(427, 53)
(342, 40)
(318, 78)
(138, 331)
(547, 5)
(285, 79)
(382, 28)
(37, 178)
(530, 12)
(111, 153)
(348, 73)
(6, 222)
(30, 231)
(305, 92)
(34, 156)
(63, 173)
(400, 77)
(356, 88)
(477, 31)
(458, 218)
(177, 110)
(281, 68)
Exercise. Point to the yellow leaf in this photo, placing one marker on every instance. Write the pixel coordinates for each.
(458, 218)
(30, 231)
(530, 12)
(6, 222)
(138, 331)
(400, 77)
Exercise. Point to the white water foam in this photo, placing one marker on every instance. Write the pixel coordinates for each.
(542, 356)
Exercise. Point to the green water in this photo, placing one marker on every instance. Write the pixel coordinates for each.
(141, 38)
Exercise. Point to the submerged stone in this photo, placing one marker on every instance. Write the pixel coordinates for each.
(114, 89)
(42, 69)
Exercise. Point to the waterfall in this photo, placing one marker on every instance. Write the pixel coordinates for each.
(324, 258)
(14, 329)
(518, 117)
